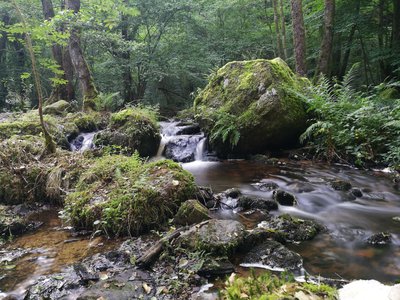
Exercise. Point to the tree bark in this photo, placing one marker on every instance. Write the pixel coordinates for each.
(396, 24)
(277, 29)
(65, 92)
(128, 92)
(3, 47)
(327, 40)
(81, 67)
(299, 37)
(283, 28)
(349, 43)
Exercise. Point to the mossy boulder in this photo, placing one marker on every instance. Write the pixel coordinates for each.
(191, 212)
(216, 237)
(251, 106)
(124, 196)
(57, 108)
(134, 129)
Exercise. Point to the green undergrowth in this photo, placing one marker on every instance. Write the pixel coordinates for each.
(273, 287)
(121, 195)
(351, 126)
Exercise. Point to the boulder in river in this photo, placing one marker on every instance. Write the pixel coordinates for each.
(217, 237)
(182, 148)
(284, 198)
(253, 202)
(382, 238)
(251, 106)
(274, 256)
(341, 185)
(132, 129)
(121, 195)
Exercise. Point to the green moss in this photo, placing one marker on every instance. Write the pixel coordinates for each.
(261, 95)
(270, 287)
(123, 195)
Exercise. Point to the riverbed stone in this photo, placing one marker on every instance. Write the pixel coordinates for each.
(251, 102)
(284, 198)
(254, 202)
(217, 237)
(182, 148)
(291, 229)
(265, 186)
(341, 185)
(273, 255)
(191, 212)
(381, 238)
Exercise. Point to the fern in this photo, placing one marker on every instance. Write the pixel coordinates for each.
(225, 129)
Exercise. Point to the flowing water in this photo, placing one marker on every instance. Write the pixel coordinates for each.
(340, 252)
(83, 142)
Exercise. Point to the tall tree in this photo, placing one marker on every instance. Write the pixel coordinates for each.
(327, 40)
(81, 67)
(50, 146)
(62, 58)
(283, 28)
(396, 24)
(278, 29)
(299, 36)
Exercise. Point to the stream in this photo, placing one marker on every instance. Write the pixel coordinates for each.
(340, 252)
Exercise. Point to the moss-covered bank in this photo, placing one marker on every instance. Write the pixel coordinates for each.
(251, 106)
(123, 195)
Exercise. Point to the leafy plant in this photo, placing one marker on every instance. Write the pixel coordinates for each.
(225, 129)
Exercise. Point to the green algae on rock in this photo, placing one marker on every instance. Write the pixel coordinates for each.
(135, 129)
(124, 196)
(251, 106)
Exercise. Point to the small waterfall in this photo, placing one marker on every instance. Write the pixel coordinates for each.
(200, 150)
(181, 142)
(83, 142)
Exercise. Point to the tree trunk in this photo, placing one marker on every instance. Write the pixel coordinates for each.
(336, 54)
(81, 67)
(65, 92)
(349, 44)
(396, 25)
(128, 93)
(3, 73)
(299, 37)
(283, 27)
(384, 72)
(327, 40)
(277, 29)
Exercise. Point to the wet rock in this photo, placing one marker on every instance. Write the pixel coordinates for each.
(382, 238)
(292, 229)
(84, 274)
(14, 220)
(217, 237)
(273, 255)
(252, 202)
(341, 185)
(216, 267)
(191, 212)
(356, 192)
(233, 193)
(266, 186)
(258, 236)
(396, 219)
(204, 194)
(301, 187)
(189, 129)
(182, 148)
(284, 198)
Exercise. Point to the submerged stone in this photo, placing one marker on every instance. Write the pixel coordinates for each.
(254, 102)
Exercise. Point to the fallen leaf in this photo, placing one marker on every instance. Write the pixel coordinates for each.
(147, 288)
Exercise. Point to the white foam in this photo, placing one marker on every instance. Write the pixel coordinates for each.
(369, 290)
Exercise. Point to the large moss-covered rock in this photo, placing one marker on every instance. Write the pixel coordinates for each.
(123, 196)
(58, 108)
(252, 104)
(133, 129)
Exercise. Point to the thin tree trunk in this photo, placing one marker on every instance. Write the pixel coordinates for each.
(64, 92)
(396, 24)
(299, 37)
(283, 27)
(277, 29)
(81, 67)
(3, 49)
(336, 55)
(349, 43)
(367, 68)
(382, 65)
(128, 93)
(327, 40)
(50, 146)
